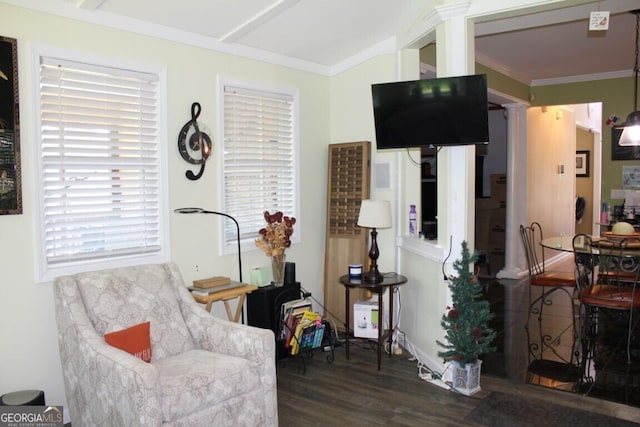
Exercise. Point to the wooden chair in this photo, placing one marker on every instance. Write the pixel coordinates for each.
(607, 280)
(550, 354)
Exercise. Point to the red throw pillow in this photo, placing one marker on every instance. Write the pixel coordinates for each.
(134, 340)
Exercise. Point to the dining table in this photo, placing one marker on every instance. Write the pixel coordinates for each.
(598, 243)
(559, 243)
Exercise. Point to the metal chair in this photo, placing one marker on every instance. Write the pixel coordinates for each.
(553, 345)
(607, 281)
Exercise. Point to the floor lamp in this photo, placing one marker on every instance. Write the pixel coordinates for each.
(374, 214)
(202, 211)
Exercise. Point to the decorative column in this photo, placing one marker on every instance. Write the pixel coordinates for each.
(455, 56)
(516, 190)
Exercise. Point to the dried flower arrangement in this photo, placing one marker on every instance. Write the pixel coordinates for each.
(275, 237)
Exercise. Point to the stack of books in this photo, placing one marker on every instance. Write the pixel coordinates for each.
(308, 334)
(291, 313)
(204, 287)
(302, 329)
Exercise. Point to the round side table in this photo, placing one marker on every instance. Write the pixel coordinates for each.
(390, 280)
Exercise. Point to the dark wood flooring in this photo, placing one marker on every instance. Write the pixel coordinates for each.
(353, 393)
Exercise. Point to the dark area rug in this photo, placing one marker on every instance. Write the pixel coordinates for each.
(503, 410)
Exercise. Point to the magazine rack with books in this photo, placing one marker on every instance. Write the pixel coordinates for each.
(301, 330)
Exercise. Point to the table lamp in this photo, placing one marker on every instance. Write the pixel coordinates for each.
(374, 214)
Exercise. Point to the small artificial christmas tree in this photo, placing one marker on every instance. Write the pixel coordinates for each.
(468, 335)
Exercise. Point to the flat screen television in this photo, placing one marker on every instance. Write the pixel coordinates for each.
(431, 112)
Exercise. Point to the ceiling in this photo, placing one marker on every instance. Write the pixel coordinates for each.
(543, 47)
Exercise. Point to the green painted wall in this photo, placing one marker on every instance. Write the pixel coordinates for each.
(495, 80)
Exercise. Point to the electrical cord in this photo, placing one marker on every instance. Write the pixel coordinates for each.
(325, 310)
(448, 255)
(424, 372)
(412, 159)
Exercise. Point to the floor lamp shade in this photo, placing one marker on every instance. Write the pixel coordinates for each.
(374, 214)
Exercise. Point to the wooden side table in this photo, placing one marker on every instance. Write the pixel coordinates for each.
(391, 280)
(225, 294)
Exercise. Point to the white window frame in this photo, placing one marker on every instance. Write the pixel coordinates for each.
(47, 271)
(249, 232)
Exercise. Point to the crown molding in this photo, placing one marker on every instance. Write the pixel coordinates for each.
(136, 26)
(496, 66)
(385, 47)
(582, 78)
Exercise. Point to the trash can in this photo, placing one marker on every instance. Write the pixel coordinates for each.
(23, 398)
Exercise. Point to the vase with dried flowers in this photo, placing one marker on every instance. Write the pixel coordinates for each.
(274, 239)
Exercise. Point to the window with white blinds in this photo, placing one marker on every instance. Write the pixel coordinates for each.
(259, 157)
(100, 172)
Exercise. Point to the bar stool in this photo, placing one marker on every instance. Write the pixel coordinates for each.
(550, 356)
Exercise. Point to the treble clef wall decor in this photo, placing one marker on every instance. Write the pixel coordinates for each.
(199, 142)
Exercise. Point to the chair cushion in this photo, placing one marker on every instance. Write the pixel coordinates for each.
(134, 340)
(118, 298)
(611, 296)
(554, 278)
(199, 379)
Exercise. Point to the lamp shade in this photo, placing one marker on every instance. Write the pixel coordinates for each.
(375, 214)
(631, 127)
(630, 130)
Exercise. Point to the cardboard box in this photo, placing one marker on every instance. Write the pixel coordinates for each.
(365, 319)
(498, 183)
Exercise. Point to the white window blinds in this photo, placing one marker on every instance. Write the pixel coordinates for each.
(259, 153)
(100, 161)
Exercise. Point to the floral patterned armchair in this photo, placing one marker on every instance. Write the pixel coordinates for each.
(204, 370)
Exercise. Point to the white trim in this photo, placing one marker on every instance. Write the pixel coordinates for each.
(495, 66)
(45, 273)
(419, 34)
(222, 81)
(385, 47)
(106, 19)
(583, 78)
(257, 20)
(424, 248)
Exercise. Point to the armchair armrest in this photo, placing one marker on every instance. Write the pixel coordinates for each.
(104, 385)
(218, 335)
(223, 336)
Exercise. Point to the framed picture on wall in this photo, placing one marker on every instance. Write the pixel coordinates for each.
(622, 153)
(582, 164)
(10, 179)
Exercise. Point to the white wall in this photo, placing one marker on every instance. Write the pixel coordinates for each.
(28, 342)
(551, 141)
